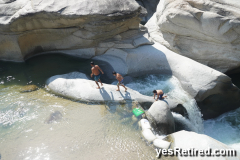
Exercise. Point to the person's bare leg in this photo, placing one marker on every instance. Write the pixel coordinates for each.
(118, 88)
(100, 81)
(97, 85)
(124, 87)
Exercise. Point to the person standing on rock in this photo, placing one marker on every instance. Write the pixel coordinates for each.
(96, 73)
(120, 80)
(159, 94)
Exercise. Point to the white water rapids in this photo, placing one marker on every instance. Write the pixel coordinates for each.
(172, 88)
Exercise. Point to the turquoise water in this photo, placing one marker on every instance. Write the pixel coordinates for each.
(83, 131)
(225, 128)
(37, 69)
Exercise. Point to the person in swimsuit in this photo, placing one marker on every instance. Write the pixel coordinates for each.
(120, 80)
(159, 94)
(96, 73)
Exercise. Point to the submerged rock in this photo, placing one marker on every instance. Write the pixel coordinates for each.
(204, 30)
(161, 118)
(28, 88)
(190, 140)
(54, 117)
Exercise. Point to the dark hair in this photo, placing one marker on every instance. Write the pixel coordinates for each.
(154, 91)
(92, 63)
(114, 72)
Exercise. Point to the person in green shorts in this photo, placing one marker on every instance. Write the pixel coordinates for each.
(120, 80)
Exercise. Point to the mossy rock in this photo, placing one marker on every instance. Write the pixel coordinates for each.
(28, 88)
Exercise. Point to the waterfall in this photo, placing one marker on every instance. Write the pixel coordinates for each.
(172, 88)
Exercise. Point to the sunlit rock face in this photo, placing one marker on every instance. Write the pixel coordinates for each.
(204, 30)
(161, 118)
(31, 27)
(186, 140)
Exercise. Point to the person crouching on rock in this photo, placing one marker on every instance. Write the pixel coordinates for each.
(120, 80)
(95, 72)
(159, 94)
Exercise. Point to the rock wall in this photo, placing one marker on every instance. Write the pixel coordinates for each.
(31, 27)
(209, 87)
(205, 30)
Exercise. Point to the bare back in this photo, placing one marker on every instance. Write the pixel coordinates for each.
(119, 77)
(159, 92)
(95, 70)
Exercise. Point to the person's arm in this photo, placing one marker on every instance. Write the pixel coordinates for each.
(100, 69)
(154, 95)
(92, 73)
(121, 77)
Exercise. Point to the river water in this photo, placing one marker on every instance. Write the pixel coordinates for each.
(85, 131)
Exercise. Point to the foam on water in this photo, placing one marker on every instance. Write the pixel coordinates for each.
(225, 128)
(172, 88)
(183, 123)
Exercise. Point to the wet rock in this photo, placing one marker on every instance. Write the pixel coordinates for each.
(161, 118)
(54, 117)
(28, 88)
(172, 103)
(186, 140)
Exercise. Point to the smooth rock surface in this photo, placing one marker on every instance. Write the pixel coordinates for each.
(206, 85)
(144, 124)
(31, 27)
(148, 135)
(161, 144)
(161, 118)
(75, 86)
(186, 140)
(204, 30)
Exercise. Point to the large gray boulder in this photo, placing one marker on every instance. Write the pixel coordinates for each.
(190, 140)
(30, 27)
(161, 118)
(204, 30)
(78, 86)
(75, 85)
